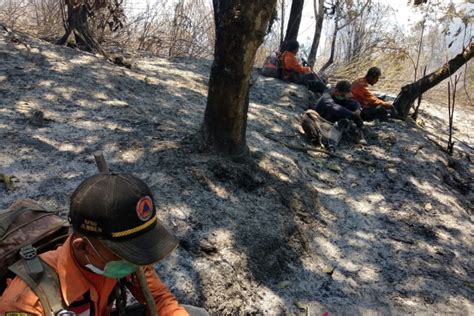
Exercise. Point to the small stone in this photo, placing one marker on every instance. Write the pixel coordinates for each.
(207, 247)
(328, 270)
(37, 119)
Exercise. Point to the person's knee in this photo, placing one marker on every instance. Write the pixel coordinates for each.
(316, 86)
(351, 105)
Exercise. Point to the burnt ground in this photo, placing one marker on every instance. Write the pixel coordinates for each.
(386, 228)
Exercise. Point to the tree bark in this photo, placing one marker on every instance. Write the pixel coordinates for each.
(294, 21)
(240, 29)
(411, 92)
(333, 48)
(77, 27)
(282, 26)
(319, 16)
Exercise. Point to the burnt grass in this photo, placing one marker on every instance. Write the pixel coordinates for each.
(386, 228)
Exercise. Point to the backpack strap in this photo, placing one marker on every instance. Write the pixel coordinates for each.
(45, 284)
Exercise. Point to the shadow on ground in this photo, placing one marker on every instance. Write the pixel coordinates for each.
(283, 230)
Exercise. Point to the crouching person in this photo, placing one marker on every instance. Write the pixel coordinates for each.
(115, 240)
(337, 105)
(373, 108)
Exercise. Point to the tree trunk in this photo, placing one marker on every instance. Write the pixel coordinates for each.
(78, 27)
(319, 16)
(282, 26)
(333, 48)
(240, 28)
(294, 21)
(410, 92)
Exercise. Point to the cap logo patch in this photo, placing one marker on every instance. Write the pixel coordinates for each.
(145, 208)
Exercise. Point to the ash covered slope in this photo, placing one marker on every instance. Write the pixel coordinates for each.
(388, 228)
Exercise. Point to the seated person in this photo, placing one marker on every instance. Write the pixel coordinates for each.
(337, 105)
(116, 231)
(293, 71)
(372, 106)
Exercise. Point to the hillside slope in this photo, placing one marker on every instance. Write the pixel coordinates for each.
(386, 228)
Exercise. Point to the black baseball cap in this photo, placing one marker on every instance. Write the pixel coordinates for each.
(119, 209)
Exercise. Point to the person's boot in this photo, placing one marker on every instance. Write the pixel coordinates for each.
(360, 138)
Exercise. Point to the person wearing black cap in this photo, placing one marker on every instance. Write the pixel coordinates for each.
(338, 105)
(293, 71)
(116, 232)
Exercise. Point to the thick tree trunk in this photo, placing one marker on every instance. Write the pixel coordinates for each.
(294, 21)
(240, 28)
(411, 92)
(78, 28)
(319, 15)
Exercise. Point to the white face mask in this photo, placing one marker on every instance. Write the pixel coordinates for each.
(93, 268)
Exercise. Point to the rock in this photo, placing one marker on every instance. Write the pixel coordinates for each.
(207, 247)
(37, 119)
(7, 180)
(121, 61)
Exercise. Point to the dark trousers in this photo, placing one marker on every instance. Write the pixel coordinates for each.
(309, 80)
(352, 105)
(374, 112)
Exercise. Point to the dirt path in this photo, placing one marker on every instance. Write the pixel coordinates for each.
(284, 232)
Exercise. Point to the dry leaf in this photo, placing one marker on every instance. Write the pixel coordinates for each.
(334, 167)
(300, 305)
(283, 284)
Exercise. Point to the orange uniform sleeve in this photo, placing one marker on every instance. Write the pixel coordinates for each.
(166, 303)
(361, 93)
(18, 297)
(292, 64)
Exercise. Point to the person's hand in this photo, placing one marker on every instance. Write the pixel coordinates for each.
(388, 105)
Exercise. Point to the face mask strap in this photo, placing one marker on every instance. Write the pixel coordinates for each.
(97, 252)
(93, 268)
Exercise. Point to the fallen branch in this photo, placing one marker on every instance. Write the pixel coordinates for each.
(301, 148)
(307, 149)
(410, 242)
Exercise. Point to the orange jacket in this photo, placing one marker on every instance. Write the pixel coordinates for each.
(362, 94)
(76, 281)
(290, 63)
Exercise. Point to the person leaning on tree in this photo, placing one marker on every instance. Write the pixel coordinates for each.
(116, 232)
(293, 71)
(372, 107)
